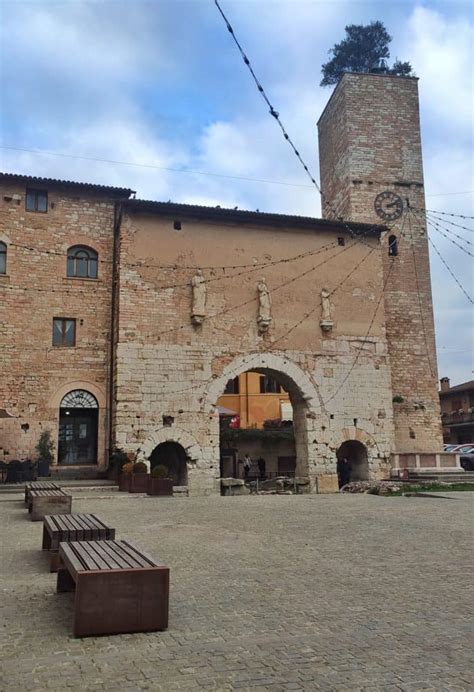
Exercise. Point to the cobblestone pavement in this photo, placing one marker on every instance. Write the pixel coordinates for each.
(267, 593)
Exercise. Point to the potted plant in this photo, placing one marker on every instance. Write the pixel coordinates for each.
(45, 449)
(124, 478)
(117, 460)
(159, 482)
(139, 478)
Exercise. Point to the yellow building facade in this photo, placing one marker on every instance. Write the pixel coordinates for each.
(256, 398)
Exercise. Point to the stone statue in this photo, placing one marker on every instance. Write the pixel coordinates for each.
(264, 318)
(198, 312)
(326, 323)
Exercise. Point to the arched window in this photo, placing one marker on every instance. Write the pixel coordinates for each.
(79, 398)
(3, 258)
(82, 262)
(392, 246)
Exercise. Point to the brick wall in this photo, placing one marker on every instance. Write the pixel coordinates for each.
(34, 374)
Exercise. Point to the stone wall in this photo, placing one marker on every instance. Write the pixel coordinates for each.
(369, 138)
(170, 373)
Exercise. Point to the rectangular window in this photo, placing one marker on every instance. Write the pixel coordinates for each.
(37, 200)
(269, 386)
(232, 386)
(64, 332)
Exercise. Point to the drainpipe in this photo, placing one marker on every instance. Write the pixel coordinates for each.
(113, 320)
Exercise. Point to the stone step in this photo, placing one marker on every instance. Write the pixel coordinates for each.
(446, 477)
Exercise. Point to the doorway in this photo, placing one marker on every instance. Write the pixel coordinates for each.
(78, 428)
(356, 453)
(173, 456)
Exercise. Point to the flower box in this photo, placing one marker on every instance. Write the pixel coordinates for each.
(138, 483)
(124, 482)
(160, 486)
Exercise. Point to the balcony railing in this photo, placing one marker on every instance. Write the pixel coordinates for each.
(457, 418)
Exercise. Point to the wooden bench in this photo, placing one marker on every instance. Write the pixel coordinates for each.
(43, 502)
(39, 485)
(119, 589)
(72, 527)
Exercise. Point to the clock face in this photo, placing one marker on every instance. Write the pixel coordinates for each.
(388, 206)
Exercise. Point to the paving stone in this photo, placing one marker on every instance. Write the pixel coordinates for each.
(267, 593)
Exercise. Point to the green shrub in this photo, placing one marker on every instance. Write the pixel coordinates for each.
(160, 471)
(118, 459)
(140, 467)
(45, 446)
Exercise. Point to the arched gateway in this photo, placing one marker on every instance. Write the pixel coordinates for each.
(303, 395)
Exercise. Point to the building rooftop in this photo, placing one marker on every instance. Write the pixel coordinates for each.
(197, 211)
(34, 180)
(464, 387)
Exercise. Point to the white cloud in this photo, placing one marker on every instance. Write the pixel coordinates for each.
(161, 84)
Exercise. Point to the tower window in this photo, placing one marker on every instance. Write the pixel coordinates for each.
(82, 262)
(3, 258)
(37, 200)
(392, 246)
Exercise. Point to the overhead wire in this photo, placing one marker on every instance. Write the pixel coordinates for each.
(137, 164)
(439, 230)
(433, 245)
(451, 223)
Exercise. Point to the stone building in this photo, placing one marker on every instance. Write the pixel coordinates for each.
(123, 320)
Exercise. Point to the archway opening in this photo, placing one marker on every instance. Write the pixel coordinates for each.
(173, 456)
(262, 426)
(352, 462)
(78, 428)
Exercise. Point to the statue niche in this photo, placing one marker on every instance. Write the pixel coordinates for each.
(264, 318)
(326, 322)
(198, 310)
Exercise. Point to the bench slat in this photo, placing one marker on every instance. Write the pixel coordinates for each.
(105, 555)
(112, 559)
(135, 560)
(70, 558)
(140, 553)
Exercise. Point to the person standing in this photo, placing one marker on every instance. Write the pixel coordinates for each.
(247, 466)
(344, 471)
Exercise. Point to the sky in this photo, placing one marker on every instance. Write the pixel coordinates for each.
(161, 85)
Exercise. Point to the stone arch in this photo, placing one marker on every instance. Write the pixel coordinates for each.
(56, 398)
(303, 393)
(353, 433)
(185, 439)
(291, 376)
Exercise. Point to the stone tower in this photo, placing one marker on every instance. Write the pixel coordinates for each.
(369, 144)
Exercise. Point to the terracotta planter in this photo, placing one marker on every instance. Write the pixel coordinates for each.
(124, 482)
(138, 483)
(160, 486)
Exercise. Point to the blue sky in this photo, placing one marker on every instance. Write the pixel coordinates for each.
(160, 83)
